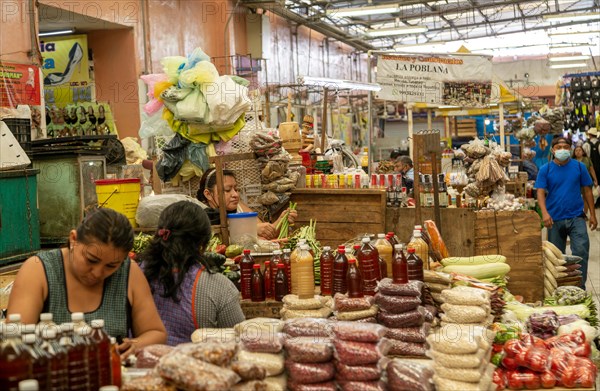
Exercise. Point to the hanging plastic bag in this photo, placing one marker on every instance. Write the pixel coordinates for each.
(154, 125)
(174, 154)
(202, 72)
(171, 65)
(153, 105)
(192, 108)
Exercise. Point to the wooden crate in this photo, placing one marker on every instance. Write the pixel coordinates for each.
(463, 127)
(341, 214)
(517, 236)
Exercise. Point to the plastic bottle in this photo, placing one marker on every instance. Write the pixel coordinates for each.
(354, 280)
(268, 281)
(115, 360)
(40, 360)
(27, 329)
(45, 322)
(15, 364)
(29, 385)
(420, 246)
(415, 266)
(303, 273)
(340, 270)
(352, 254)
(246, 265)
(85, 333)
(386, 252)
(78, 320)
(368, 258)
(275, 259)
(391, 237)
(102, 340)
(258, 284)
(59, 360)
(78, 361)
(399, 266)
(293, 260)
(287, 261)
(326, 265)
(281, 286)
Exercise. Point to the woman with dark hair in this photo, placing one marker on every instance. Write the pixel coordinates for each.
(188, 294)
(93, 275)
(208, 194)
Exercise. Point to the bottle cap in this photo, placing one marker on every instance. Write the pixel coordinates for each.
(256, 266)
(416, 233)
(391, 233)
(277, 252)
(29, 385)
(341, 250)
(286, 250)
(246, 252)
(49, 333)
(397, 246)
(14, 318)
(411, 250)
(29, 338)
(66, 327)
(366, 240)
(46, 317)
(280, 266)
(98, 323)
(326, 248)
(356, 247)
(381, 236)
(77, 317)
(27, 329)
(267, 263)
(352, 260)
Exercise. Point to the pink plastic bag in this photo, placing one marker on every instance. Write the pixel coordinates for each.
(359, 332)
(360, 353)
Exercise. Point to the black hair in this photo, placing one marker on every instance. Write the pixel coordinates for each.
(405, 160)
(208, 181)
(189, 234)
(561, 139)
(106, 226)
(395, 153)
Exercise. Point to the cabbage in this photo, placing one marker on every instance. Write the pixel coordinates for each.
(589, 331)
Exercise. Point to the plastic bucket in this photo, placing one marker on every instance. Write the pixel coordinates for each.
(122, 195)
(242, 227)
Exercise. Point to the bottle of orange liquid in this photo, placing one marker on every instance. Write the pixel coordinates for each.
(326, 264)
(354, 280)
(368, 258)
(40, 360)
(115, 360)
(303, 273)
(386, 252)
(102, 340)
(340, 270)
(420, 247)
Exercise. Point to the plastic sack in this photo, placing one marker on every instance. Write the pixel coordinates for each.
(287, 314)
(292, 302)
(387, 287)
(464, 295)
(202, 72)
(362, 386)
(257, 326)
(249, 371)
(466, 313)
(171, 65)
(272, 363)
(150, 382)
(12, 155)
(409, 334)
(360, 353)
(214, 353)
(326, 386)
(470, 360)
(343, 303)
(397, 304)
(267, 343)
(306, 373)
(250, 385)
(150, 208)
(276, 383)
(148, 356)
(408, 319)
(357, 372)
(211, 334)
(309, 349)
(455, 341)
(407, 375)
(357, 315)
(306, 327)
(360, 332)
(408, 349)
(153, 105)
(590, 332)
(155, 125)
(471, 375)
(192, 108)
(174, 154)
(190, 374)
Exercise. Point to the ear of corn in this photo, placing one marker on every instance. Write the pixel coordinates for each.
(488, 270)
(476, 260)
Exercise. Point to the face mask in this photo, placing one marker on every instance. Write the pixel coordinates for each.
(562, 155)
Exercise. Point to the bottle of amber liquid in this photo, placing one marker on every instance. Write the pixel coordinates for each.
(368, 258)
(267, 277)
(415, 266)
(258, 284)
(326, 264)
(275, 259)
(399, 266)
(354, 280)
(340, 269)
(303, 273)
(246, 265)
(281, 286)
(419, 245)
(286, 260)
(386, 251)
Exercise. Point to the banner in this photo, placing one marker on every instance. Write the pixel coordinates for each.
(19, 85)
(66, 70)
(455, 80)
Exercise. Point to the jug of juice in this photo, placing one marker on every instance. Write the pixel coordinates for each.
(399, 266)
(258, 284)
(15, 364)
(39, 358)
(92, 356)
(340, 270)
(326, 265)
(415, 266)
(246, 265)
(304, 274)
(421, 248)
(102, 340)
(78, 321)
(368, 258)
(354, 280)
(287, 261)
(78, 360)
(386, 251)
(59, 361)
(275, 259)
(268, 281)
(281, 286)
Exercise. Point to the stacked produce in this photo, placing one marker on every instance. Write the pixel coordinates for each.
(402, 312)
(358, 350)
(486, 268)
(461, 357)
(494, 287)
(316, 307)
(530, 362)
(556, 118)
(557, 266)
(408, 375)
(466, 306)
(355, 308)
(435, 283)
(485, 168)
(309, 354)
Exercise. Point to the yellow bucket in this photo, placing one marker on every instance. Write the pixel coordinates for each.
(121, 195)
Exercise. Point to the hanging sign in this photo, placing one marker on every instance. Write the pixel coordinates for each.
(19, 85)
(455, 80)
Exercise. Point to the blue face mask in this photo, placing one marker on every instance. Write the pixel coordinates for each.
(562, 155)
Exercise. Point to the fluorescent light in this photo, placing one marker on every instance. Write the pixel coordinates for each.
(397, 31)
(338, 83)
(566, 47)
(57, 32)
(573, 17)
(569, 58)
(363, 11)
(446, 107)
(570, 34)
(573, 65)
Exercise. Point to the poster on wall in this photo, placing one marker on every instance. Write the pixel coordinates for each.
(80, 119)
(66, 70)
(456, 80)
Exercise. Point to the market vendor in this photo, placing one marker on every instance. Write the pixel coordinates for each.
(189, 291)
(404, 166)
(208, 194)
(93, 275)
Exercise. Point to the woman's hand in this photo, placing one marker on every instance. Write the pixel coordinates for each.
(292, 216)
(126, 348)
(266, 230)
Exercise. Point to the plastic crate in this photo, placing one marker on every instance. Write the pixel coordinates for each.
(21, 129)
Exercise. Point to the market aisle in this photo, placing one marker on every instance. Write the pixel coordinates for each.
(593, 283)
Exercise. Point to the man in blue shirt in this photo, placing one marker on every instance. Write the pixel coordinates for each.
(560, 184)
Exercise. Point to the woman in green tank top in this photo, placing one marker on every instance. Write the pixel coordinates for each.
(92, 275)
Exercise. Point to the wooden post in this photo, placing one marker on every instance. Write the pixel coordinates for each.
(501, 119)
(429, 119)
(324, 122)
(436, 189)
(410, 132)
(267, 109)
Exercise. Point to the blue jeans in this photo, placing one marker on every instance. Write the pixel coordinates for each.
(576, 230)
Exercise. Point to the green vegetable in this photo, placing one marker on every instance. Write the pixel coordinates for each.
(140, 242)
(523, 312)
(284, 225)
(497, 359)
(476, 260)
(489, 270)
(233, 250)
(588, 302)
(213, 243)
(569, 295)
(309, 233)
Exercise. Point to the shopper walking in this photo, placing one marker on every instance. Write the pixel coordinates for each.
(560, 185)
(188, 290)
(592, 149)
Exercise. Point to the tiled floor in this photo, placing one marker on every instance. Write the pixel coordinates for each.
(593, 282)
